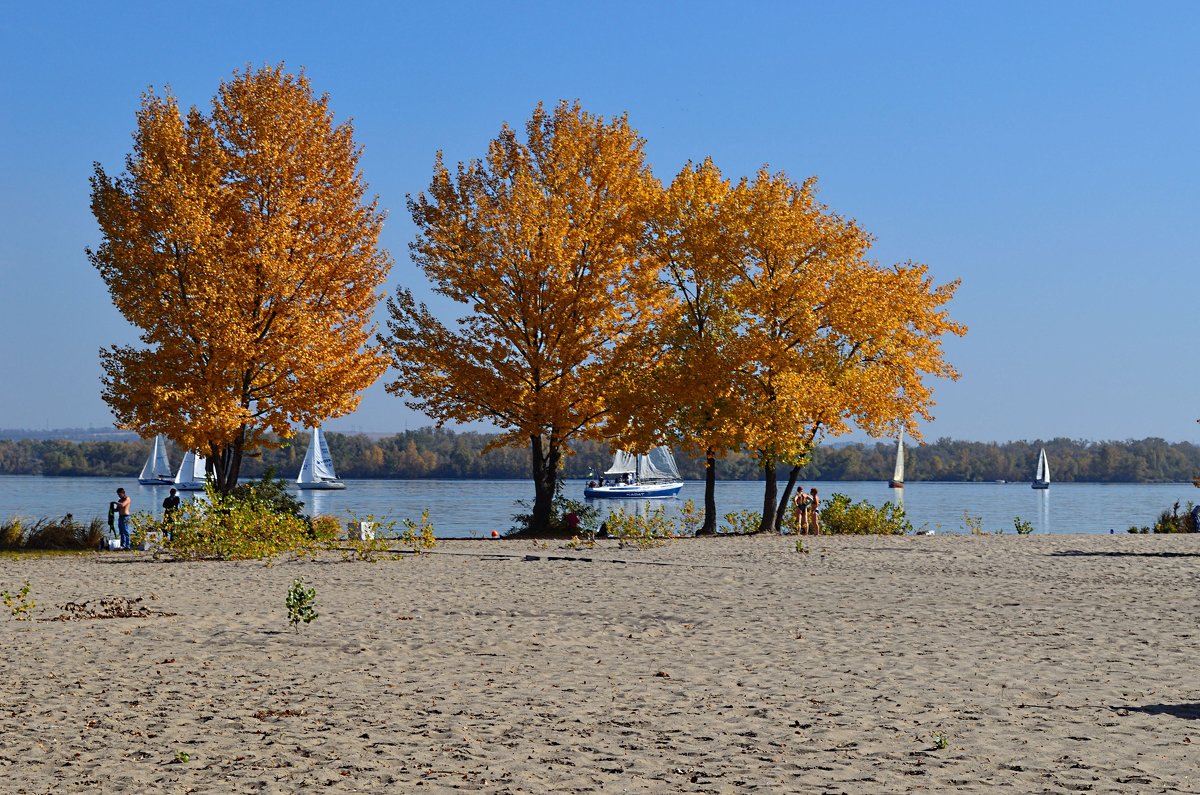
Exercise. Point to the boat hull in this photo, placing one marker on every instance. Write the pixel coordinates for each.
(164, 481)
(634, 491)
(895, 484)
(189, 486)
(323, 485)
(1039, 485)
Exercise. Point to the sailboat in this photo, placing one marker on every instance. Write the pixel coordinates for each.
(1041, 480)
(157, 470)
(652, 474)
(317, 470)
(897, 481)
(191, 475)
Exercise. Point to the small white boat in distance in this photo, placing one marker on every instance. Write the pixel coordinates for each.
(1041, 479)
(897, 481)
(652, 474)
(191, 475)
(317, 470)
(157, 470)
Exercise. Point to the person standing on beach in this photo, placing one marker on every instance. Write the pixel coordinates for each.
(123, 503)
(800, 502)
(814, 505)
(170, 506)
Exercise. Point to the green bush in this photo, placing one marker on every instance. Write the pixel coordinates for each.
(1172, 521)
(562, 509)
(234, 527)
(270, 493)
(325, 528)
(651, 529)
(743, 522)
(841, 517)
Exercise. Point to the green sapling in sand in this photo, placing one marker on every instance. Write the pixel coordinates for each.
(301, 603)
(19, 604)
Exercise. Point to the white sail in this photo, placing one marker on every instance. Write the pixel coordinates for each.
(623, 464)
(1043, 468)
(157, 468)
(898, 474)
(317, 470)
(191, 474)
(658, 464)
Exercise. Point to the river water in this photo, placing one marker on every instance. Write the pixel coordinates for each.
(473, 508)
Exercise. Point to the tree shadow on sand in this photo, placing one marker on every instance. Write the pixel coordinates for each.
(1077, 553)
(1185, 711)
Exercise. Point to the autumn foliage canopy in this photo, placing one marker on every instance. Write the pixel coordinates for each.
(241, 246)
(712, 315)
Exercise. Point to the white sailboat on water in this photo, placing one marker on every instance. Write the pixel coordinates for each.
(191, 475)
(157, 470)
(317, 470)
(897, 481)
(652, 474)
(1041, 479)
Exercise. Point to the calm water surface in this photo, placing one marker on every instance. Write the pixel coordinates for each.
(473, 508)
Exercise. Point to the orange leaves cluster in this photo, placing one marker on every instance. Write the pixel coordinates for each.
(241, 244)
(794, 333)
(729, 315)
(542, 241)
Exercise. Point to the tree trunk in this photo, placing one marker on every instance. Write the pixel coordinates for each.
(781, 515)
(224, 464)
(770, 489)
(710, 495)
(544, 462)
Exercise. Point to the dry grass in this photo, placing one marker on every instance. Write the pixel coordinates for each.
(46, 535)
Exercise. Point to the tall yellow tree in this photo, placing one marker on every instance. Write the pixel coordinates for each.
(830, 339)
(695, 383)
(241, 246)
(540, 242)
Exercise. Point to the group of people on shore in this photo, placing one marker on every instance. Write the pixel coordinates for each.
(120, 509)
(807, 512)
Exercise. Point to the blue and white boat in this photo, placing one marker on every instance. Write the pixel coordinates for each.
(652, 474)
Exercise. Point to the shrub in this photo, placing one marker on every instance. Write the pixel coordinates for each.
(652, 529)
(974, 524)
(12, 534)
(269, 493)
(324, 528)
(235, 526)
(64, 533)
(1171, 521)
(51, 534)
(1022, 527)
(300, 603)
(567, 517)
(419, 535)
(841, 517)
(19, 604)
(743, 522)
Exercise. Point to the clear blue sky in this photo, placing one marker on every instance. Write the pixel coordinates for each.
(1046, 154)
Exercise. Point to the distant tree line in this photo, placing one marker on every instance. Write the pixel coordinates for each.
(430, 453)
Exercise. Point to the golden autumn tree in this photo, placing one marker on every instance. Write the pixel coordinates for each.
(828, 338)
(540, 242)
(695, 383)
(241, 246)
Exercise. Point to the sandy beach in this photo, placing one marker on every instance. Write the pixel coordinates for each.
(1038, 664)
